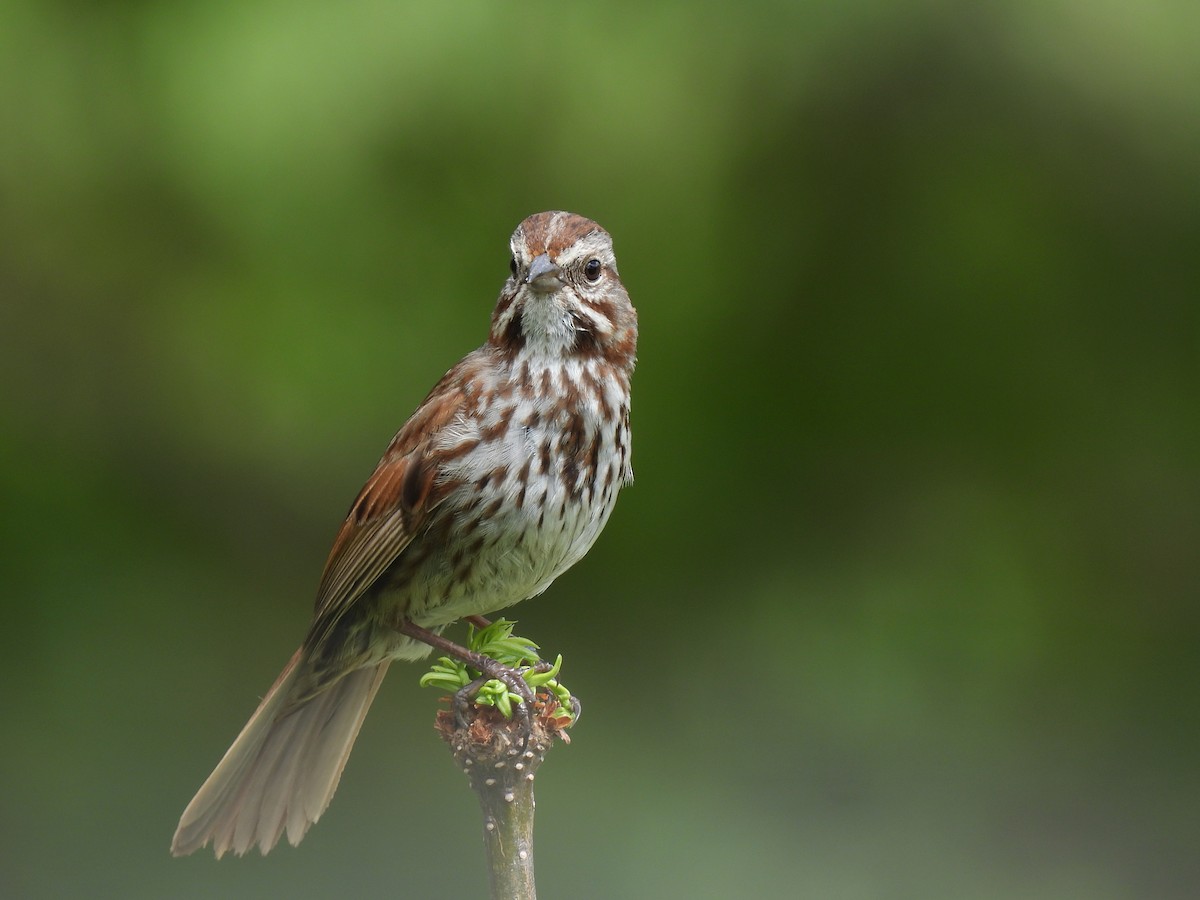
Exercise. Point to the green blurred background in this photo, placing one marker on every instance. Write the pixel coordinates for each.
(903, 603)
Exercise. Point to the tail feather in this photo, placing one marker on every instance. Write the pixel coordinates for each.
(281, 771)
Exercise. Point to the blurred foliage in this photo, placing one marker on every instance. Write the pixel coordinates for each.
(916, 421)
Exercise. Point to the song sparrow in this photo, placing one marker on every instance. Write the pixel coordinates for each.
(499, 482)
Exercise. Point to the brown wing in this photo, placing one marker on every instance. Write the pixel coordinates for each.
(391, 508)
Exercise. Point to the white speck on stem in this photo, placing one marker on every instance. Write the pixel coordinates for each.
(508, 798)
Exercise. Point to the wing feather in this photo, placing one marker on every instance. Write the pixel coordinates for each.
(394, 504)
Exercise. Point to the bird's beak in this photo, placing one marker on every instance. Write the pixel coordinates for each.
(544, 275)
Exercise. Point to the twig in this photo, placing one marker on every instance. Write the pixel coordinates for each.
(489, 750)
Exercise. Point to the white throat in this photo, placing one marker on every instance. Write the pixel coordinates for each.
(548, 328)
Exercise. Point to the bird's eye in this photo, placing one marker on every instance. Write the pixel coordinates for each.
(512, 266)
(592, 270)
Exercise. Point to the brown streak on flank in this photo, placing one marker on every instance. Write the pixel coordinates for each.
(492, 508)
(593, 383)
(547, 387)
(545, 457)
(593, 463)
(475, 546)
(533, 420)
(523, 480)
(526, 381)
(459, 450)
(497, 431)
(570, 391)
(569, 451)
(574, 434)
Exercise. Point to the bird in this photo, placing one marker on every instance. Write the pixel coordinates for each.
(500, 481)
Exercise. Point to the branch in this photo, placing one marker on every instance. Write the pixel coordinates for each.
(501, 752)
(489, 751)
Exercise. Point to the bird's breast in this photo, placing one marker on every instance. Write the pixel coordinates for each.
(530, 485)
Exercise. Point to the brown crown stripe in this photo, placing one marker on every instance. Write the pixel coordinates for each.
(554, 232)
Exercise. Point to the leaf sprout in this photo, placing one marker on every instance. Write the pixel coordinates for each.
(497, 642)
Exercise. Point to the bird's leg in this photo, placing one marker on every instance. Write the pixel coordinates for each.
(468, 693)
(510, 678)
(464, 699)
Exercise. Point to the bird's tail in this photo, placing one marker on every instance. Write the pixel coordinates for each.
(283, 768)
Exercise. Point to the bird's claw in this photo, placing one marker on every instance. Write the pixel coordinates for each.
(464, 700)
